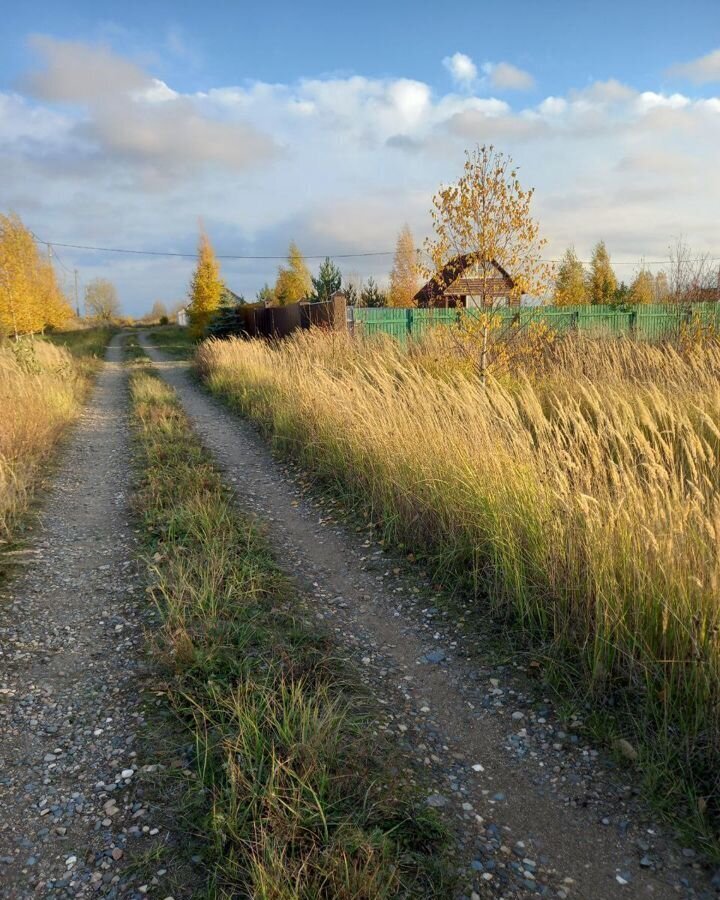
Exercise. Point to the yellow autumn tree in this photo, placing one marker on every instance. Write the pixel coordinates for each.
(642, 290)
(485, 216)
(602, 281)
(570, 287)
(294, 281)
(30, 296)
(404, 275)
(206, 288)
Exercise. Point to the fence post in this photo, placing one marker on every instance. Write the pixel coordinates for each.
(632, 323)
(409, 321)
(576, 320)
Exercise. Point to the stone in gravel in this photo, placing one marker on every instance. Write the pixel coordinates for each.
(127, 773)
(627, 749)
(437, 800)
(434, 656)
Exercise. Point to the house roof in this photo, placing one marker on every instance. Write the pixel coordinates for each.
(449, 280)
(231, 297)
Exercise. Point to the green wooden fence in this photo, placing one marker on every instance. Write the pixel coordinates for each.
(650, 322)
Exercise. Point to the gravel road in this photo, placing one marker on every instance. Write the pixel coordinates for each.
(538, 810)
(77, 816)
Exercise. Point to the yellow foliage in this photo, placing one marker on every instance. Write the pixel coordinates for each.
(581, 497)
(570, 287)
(30, 297)
(294, 282)
(642, 290)
(486, 213)
(41, 391)
(206, 287)
(601, 283)
(404, 275)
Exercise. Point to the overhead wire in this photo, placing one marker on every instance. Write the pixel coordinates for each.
(240, 256)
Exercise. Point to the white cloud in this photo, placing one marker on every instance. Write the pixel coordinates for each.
(462, 68)
(339, 163)
(651, 100)
(703, 70)
(131, 116)
(506, 77)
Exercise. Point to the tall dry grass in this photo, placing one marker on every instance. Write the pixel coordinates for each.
(580, 500)
(41, 391)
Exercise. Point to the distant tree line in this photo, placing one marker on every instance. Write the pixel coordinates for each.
(295, 283)
(688, 278)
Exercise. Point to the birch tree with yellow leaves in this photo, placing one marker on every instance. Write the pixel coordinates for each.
(294, 281)
(486, 215)
(30, 296)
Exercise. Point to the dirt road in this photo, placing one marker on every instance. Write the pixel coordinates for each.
(75, 803)
(537, 809)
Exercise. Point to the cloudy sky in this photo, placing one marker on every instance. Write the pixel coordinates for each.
(122, 124)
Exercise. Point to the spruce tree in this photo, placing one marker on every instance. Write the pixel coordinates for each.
(371, 295)
(328, 281)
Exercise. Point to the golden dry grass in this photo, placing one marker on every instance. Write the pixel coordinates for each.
(41, 391)
(580, 500)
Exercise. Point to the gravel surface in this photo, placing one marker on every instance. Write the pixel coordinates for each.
(77, 784)
(537, 809)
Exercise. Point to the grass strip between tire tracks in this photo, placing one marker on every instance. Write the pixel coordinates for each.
(294, 800)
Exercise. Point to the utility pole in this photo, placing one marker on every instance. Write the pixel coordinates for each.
(77, 302)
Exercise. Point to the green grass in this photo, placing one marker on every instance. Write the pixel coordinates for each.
(295, 800)
(173, 340)
(85, 342)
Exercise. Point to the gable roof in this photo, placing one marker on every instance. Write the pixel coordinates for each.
(449, 280)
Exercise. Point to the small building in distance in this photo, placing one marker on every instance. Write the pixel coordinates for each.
(182, 317)
(461, 283)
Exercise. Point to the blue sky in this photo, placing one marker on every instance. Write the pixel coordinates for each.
(122, 123)
(199, 45)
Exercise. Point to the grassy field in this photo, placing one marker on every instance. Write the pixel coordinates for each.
(173, 340)
(579, 501)
(43, 383)
(85, 343)
(291, 800)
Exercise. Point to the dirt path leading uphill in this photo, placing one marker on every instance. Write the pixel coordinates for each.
(76, 818)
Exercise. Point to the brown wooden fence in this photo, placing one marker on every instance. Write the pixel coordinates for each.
(282, 321)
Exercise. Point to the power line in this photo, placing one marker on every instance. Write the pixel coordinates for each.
(218, 255)
(231, 256)
(56, 257)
